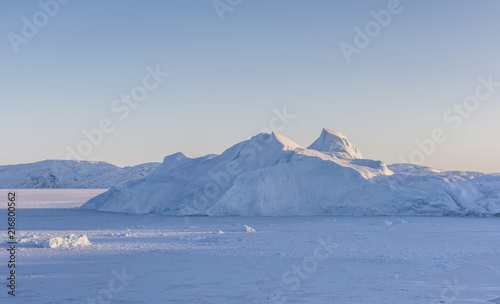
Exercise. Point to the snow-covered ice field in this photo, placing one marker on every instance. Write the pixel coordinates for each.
(52, 198)
(159, 259)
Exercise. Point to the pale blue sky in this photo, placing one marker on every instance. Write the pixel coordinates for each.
(226, 77)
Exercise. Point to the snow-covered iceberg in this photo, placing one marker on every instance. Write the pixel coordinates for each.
(271, 175)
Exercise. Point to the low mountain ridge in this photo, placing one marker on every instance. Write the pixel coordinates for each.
(69, 174)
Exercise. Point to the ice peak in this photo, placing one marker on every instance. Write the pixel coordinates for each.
(287, 143)
(273, 140)
(175, 156)
(173, 160)
(336, 143)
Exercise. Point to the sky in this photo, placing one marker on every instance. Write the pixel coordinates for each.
(405, 81)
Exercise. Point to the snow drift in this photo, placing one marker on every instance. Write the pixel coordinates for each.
(271, 175)
(72, 240)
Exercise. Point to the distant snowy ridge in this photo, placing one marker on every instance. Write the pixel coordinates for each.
(271, 175)
(64, 174)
